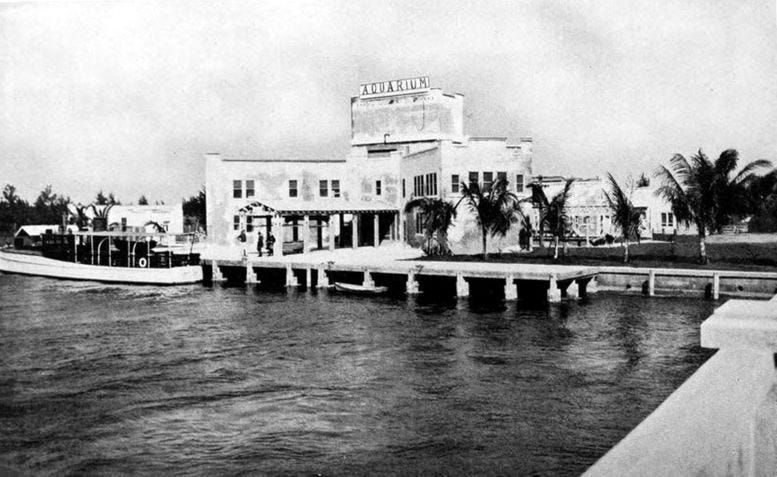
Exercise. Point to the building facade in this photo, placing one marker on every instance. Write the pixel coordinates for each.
(407, 141)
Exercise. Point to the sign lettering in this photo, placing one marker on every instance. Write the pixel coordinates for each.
(394, 87)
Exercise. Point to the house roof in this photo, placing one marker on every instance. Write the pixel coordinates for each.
(320, 206)
(35, 230)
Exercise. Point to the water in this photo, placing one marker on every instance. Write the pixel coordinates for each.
(102, 379)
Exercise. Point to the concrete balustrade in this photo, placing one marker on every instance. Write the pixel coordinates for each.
(723, 419)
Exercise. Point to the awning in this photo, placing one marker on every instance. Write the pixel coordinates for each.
(318, 207)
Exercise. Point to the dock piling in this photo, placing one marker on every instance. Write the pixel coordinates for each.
(323, 279)
(411, 286)
(462, 287)
(511, 291)
(554, 293)
(291, 280)
(217, 276)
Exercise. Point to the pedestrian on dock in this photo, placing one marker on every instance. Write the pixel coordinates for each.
(270, 243)
(260, 243)
(242, 239)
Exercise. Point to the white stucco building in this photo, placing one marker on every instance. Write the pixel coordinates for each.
(407, 141)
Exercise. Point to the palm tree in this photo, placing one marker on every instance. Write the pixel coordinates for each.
(701, 191)
(624, 215)
(495, 210)
(437, 214)
(556, 216)
(100, 219)
(540, 201)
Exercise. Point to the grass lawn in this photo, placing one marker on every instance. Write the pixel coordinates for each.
(726, 252)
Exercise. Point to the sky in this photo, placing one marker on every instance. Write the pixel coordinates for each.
(127, 97)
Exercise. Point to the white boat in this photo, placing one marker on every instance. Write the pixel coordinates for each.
(112, 257)
(353, 288)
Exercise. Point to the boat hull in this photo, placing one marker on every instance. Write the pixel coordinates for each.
(26, 264)
(352, 288)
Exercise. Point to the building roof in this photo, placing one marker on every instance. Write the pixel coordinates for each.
(35, 230)
(320, 206)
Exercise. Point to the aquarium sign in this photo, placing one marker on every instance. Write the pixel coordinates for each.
(394, 87)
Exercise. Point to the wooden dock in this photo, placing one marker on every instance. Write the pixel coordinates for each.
(556, 281)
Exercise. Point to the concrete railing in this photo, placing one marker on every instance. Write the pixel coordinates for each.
(723, 419)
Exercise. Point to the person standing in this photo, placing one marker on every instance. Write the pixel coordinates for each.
(259, 243)
(270, 243)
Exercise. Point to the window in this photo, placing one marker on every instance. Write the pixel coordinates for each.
(488, 179)
(474, 177)
(336, 188)
(418, 186)
(249, 224)
(293, 188)
(323, 190)
(403, 188)
(501, 176)
(519, 186)
(455, 184)
(249, 188)
(236, 222)
(237, 189)
(431, 184)
(377, 188)
(428, 184)
(667, 219)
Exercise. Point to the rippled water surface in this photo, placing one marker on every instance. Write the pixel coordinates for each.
(103, 379)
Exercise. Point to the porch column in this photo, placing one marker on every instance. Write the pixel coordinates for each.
(588, 231)
(376, 230)
(651, 283)
(306, 234)
(396, 235)
(355, 231)
(342, 227)
(277, 231)
(331, 228)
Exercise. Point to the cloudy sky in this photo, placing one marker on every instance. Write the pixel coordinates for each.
(127, 96)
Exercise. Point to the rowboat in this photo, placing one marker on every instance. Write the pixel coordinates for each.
(111, 257)
(353, 288)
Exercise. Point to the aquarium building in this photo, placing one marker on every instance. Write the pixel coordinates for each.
(407, 141)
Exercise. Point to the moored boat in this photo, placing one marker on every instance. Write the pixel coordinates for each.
(113, 257)
(362, 289)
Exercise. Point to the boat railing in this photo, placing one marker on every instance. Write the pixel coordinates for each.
(122, 249)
